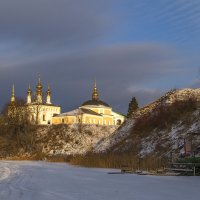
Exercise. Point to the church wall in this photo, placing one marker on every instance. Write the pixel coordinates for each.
(70, 119)
(113, 119)
(56, 120)
(92, 119)
(107, 120)
(84, 119)
(64, 120)
(44, 112)
(107, 111)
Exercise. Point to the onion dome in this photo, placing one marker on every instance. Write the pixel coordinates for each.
(95, 99)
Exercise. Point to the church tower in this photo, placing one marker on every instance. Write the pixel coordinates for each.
(95, 94)
(39, 92)
(29, 95)
(48, 93)
(13, 94)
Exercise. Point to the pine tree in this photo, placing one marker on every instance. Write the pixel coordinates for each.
(133, 106)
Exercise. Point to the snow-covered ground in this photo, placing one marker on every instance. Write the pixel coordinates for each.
(53, 181)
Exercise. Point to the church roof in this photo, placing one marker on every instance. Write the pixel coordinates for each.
(78, 111)
(91, 112)
(95, 102)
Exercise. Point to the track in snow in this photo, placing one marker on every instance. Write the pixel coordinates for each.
(53, 181)
(4, 172)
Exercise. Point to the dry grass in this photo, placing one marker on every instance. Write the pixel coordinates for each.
(110, 160)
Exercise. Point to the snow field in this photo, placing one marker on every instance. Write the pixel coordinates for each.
(59, 181)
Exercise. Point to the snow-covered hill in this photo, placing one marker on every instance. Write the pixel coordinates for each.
(158, 140)
(59, 140)
(169, 98)
(71, 139)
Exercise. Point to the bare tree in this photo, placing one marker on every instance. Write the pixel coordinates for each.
(16, 120)
(35, 111)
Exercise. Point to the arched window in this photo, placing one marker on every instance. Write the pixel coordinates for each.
(119, 122)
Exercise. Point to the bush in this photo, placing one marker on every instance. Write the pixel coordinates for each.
(188, 160)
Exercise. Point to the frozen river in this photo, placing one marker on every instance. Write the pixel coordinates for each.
(53, 181)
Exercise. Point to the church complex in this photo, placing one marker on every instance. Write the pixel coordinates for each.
(94, 111)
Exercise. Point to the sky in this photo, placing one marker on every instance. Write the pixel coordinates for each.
(133, 48)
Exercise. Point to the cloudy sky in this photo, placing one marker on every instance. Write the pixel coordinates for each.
(140, 48)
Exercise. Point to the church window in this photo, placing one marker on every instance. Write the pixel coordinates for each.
(63, 120)
(119, 122)
(44, 118)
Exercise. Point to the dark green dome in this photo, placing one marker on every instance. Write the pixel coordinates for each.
(95, 102)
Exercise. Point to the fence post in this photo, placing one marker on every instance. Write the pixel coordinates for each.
(194, 169)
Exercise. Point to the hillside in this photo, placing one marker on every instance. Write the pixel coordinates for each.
(41, 141)
(160, 127)
(71, 139)
(156, 129)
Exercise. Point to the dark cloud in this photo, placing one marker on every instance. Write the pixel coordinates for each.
(116, 68)
(52, 22)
